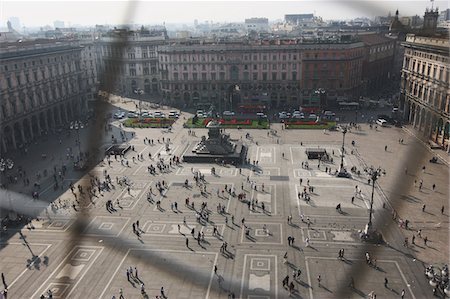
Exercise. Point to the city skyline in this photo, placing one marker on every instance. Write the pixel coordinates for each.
(157, 12)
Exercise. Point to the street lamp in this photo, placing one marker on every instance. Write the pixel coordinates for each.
(77, 125)
(342, 172)
(321, 92)
(374, 174)
(139, 92)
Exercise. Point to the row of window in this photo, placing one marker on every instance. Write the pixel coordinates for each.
(427, 95)
(41, 61)
(431, 70)
(35, 75)
(257, 57)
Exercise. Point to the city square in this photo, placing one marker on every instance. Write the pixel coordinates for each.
(211, 149)
(178, 252)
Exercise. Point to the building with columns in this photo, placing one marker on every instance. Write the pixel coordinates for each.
(276, 73)
(425, 83)
(425, 87)
(42, 87)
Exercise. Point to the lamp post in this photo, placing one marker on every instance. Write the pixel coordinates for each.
(321, 93)
(139, 92)
(77, 125)
(374, 174)
(342, 172)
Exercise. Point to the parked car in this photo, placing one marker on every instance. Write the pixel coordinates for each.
(119, 114)
(132, 115)
(228, 113)
(173, 114)
(261, 115)
(382, 122)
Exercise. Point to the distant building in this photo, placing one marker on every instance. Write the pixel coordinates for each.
(378, 61)
(42, 88)
(58, 24)
(15, 23)
(298, 18)
(275, 73)
(126, 69)
(257, 24)
(425, 87)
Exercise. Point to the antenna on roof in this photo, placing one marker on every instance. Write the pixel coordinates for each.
(432, 3)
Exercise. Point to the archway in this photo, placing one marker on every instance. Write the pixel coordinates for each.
(234, 73)
(35, 125)
(17, 131)
(147, 88)
(133, 86)
(8, 137)
(26, 125)
(42, 122)
(55, 116)
(186, 98)
(422, 119)
(439, 129)
(154, 85)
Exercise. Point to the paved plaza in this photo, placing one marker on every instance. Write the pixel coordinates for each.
(88, 256)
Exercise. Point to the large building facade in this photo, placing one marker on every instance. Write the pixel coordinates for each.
(276, 73)
(425, 86)
(42, 87)
(133, 66)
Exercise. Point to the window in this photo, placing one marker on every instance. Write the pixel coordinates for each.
(222, 76)
(274, 76)
(294, 76)
(283, 66)
(8, 80)
(185, 76)
(245, 67)
(274, 67)
(284, 57)
(194, 76)
(246, 76)
(204, 76)
(213, 67)
(222, 68)
(255, 76)
(213, 76)
(283, 76)
(274, 57)
(264, 57)
(264, 75)
(265, 66)
(255, 67)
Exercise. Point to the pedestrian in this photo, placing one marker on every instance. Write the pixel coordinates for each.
(425, 240)
(136, 273)
(319, 279)
(423, 208)
(353, 199)
(385, 148)
(162, 293)
(442, 210)
(285, 258)
(121, 294)
(413, 239)
(403, 294)
(128, 275)
(187, 242)
(434, 187)
(385, 282)
(215, 269)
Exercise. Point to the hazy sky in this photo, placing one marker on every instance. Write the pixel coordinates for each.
(39, 13)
